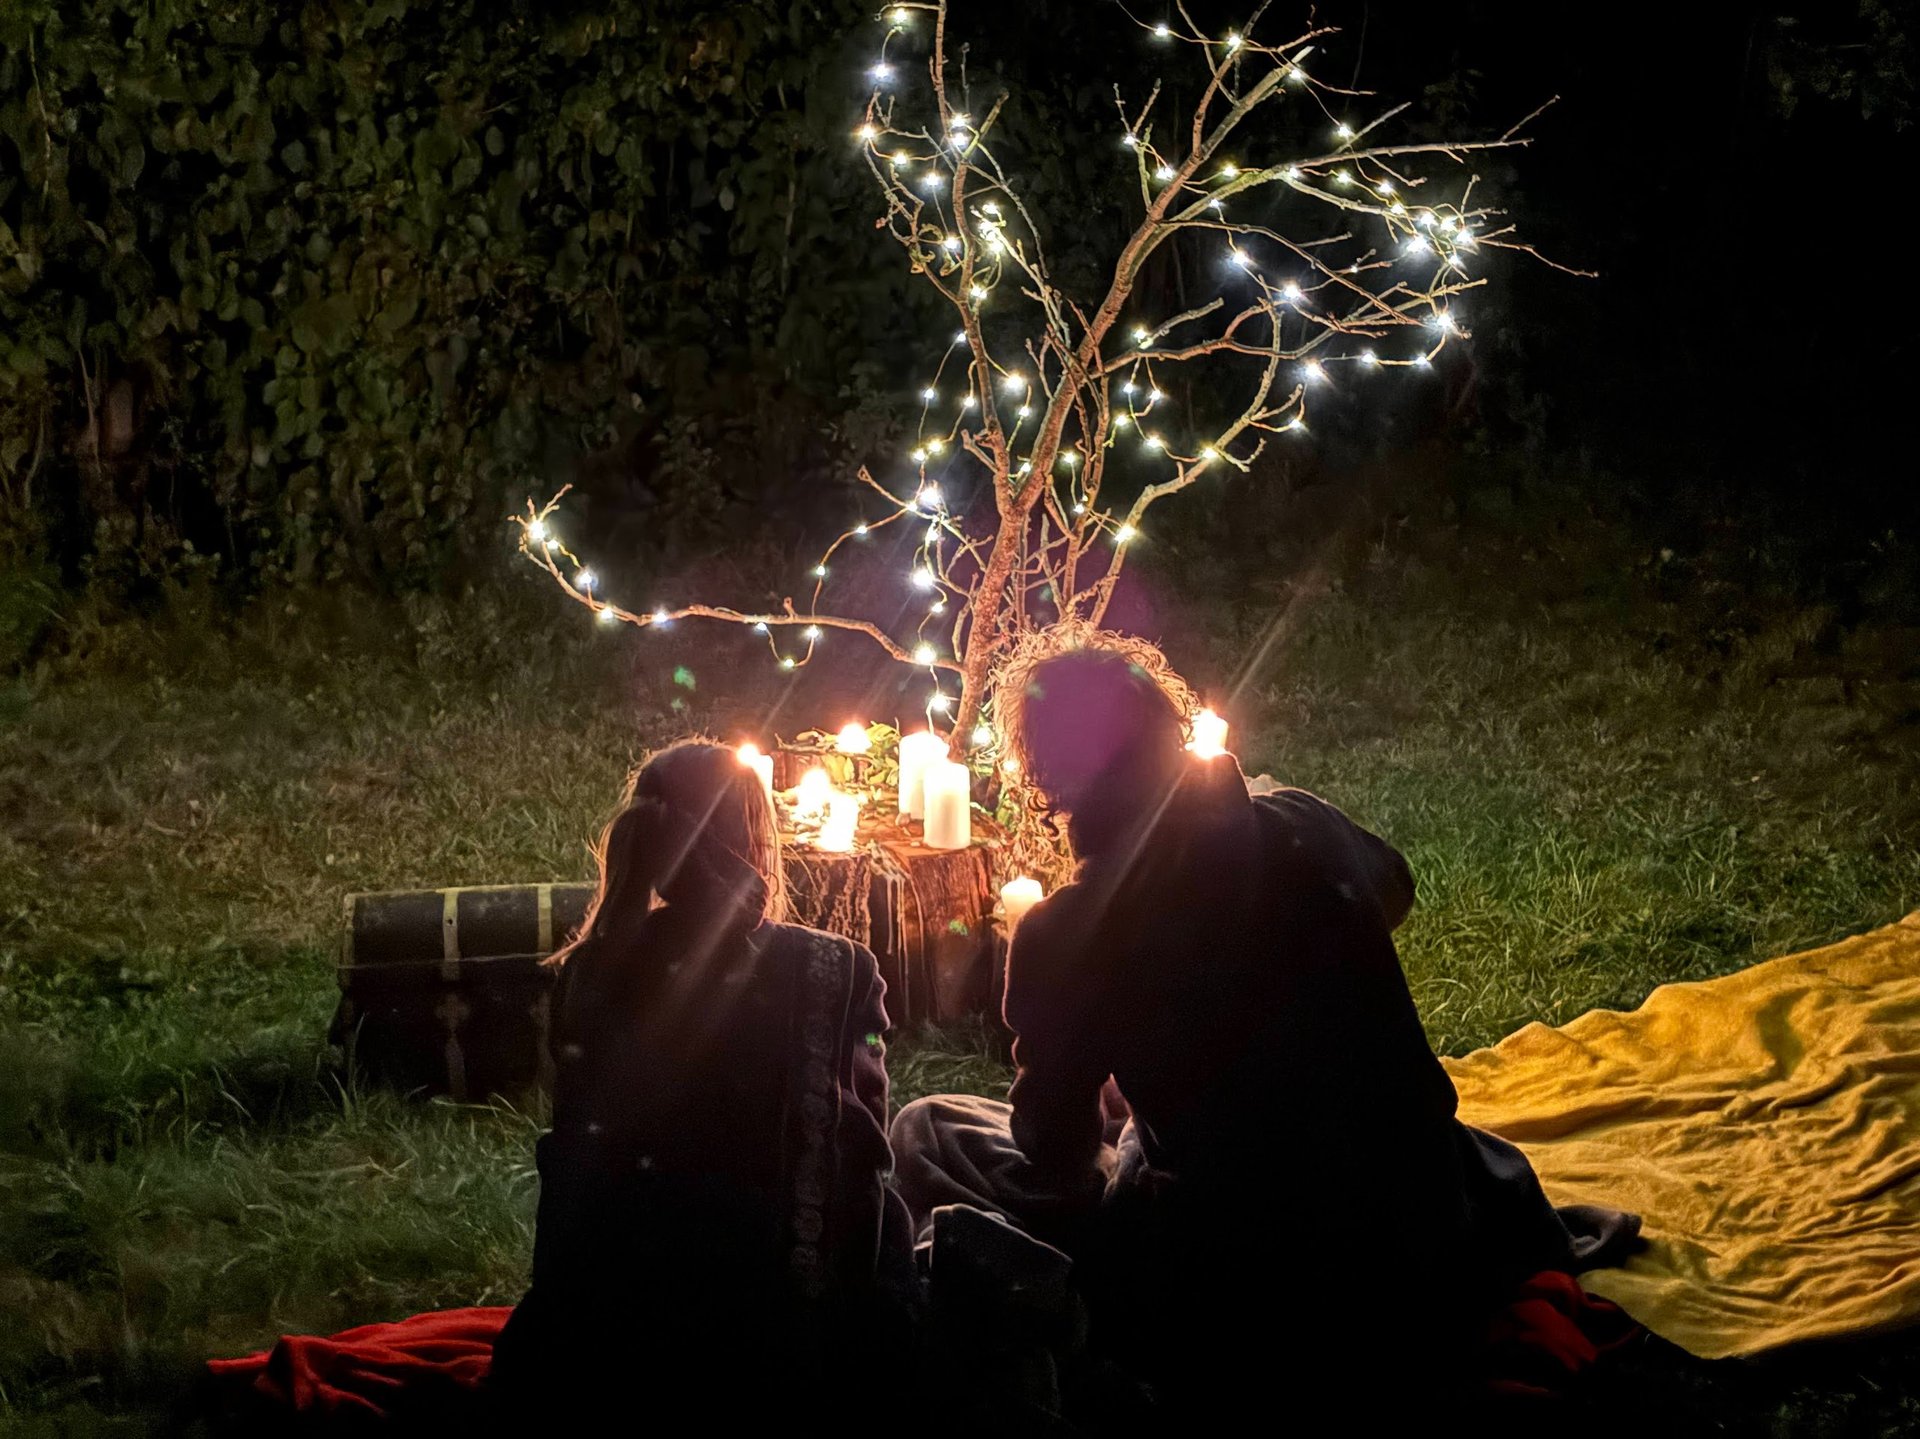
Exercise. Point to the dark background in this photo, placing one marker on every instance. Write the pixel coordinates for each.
(310, 295)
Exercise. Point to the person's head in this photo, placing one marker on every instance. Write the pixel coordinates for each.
(1097, 734)
(696, 828)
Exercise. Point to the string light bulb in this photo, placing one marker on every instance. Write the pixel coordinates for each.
(866, 132)
(923, 578)
(929, 394)
(1162, 31)
(1125, 534)
(1343, 131)
(537, 531)
(584, 581)
(661, 617)
(819, 572)
(930, 498)
(606, 615)
(923, 654)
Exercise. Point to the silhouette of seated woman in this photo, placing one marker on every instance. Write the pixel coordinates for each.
(1291, 1187)
(714, 1225)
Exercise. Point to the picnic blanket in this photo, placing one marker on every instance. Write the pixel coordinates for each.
(1767, 1126)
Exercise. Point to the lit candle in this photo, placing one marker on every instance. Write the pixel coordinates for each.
(1017, 896)
(917, 751)
(843, 819)
(852, 739)
(949, 820)
(811, 798)
(760, 764)
(1209, 735)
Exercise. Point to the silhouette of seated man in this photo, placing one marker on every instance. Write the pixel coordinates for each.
(1290, 1179)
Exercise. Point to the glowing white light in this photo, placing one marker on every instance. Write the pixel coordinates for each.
(1026, 467)
(860, 530)
(1162, 30)
(1014, 382)
(585, 581)
(1154, 442)
(900, 16)
(982, 736)
(1229, 171)
(1396, 208)
(1313, 373)
(812, 632)
(1464, 239)
(923, 654)
(839, 827)
(1296, 423)
(1417, 245)
(951, 244)
(1130, 140)
(881, 74)
(920, 455)
(1217, 207)
(1367, 357)
(959, 337)
(900, 159)
(1233, 41)
(938, 607)
(1071, 457)
(1448, 223)
(819, 572)
(660, 617)
(1424, 362)
(1293, 172)
(866, 132)
(1209, 735)
(1023, 412)
(1341, 177)
(977, 292)
(1385, 187)
(759, 626)
(1291, 293)
(932, 180)
(811, 795)
(923, 578)
(1079, 509)
(1125, 533)
(853, 739)
(929, 394)
(1155, 397)
(1128, 388)
(930, 497)
(1241, 258)
(537, 531)
(1208, 455)
(786, 662)
(969, 400)
(606, 615)
(1424, 219)
(936, 445)
(1119, 422)
(1142, 337)
(1343, 131)
(940, 702)
(1163, 173)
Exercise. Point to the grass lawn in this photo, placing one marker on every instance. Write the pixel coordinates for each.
(1592, 807)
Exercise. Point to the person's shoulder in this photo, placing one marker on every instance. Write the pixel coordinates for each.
(821, 945)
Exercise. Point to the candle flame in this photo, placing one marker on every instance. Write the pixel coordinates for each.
(1209, 735)
(853, 739)
(748, 753)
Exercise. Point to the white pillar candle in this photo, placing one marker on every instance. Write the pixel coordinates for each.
(917, 751)
(1017, 896)
(949, 821)
(760, 764)
(1209, 735)
(838, 829)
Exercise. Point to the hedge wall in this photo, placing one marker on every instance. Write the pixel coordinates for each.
(321, 288)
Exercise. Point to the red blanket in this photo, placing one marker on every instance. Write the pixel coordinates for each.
(423, 1370)
(429, 1369)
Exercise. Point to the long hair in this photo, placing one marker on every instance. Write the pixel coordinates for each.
(696, 829)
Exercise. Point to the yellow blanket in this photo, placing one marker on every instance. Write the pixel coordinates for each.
(1766, 1124)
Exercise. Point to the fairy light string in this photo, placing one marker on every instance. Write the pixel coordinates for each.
(1041, 392)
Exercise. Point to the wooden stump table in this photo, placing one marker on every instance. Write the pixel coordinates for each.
(444, 990)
